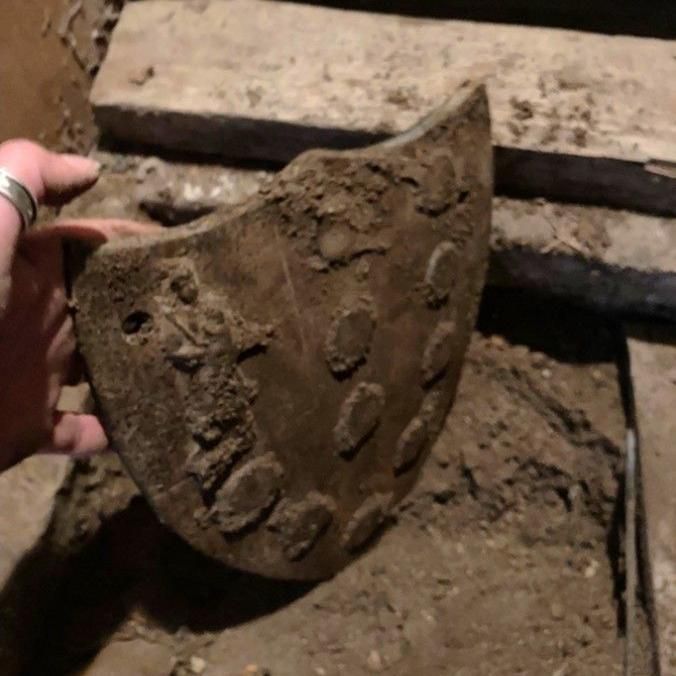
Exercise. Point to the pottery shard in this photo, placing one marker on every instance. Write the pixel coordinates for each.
(438, 351)
(247, 495)
(359, 416)
(349, 338)
(215, 380)
(366, 521)
(439, 273)
(299, 525)
(410, 444)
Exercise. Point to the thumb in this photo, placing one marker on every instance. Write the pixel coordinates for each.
(51, 177)
(48, 176)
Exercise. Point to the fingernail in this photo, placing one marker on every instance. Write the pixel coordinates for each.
(84, 165)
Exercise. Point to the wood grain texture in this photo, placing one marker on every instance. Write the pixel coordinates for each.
(653, 369)
(574, 114)
(614, 261)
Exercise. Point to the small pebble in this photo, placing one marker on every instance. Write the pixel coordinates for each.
(374, 661)
(498, 342)
(255, 670)
(151, 165)
(585, 635)
(591, 569)
(557, 611)
(538, 359)
(362, 270)
(197, 665)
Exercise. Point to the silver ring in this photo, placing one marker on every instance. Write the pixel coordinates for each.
(20, 197)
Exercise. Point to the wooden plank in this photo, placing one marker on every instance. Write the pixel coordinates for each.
(255, 79)
(652, 352)
(654, 19)
(613, 261)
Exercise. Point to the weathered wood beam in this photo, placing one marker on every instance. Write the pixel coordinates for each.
(576, 116)
(654, 19)
(614, 261)
(652, 352)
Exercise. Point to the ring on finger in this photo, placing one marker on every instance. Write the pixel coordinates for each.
(20, 197)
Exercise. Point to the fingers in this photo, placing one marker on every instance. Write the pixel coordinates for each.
(61, 349)
(93, 230)
(24, 292)
(77, 435)
(51, 177)
(10, 227)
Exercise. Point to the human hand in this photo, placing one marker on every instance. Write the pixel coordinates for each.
(37, 342)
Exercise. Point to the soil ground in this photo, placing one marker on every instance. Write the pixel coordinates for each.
(505, 559)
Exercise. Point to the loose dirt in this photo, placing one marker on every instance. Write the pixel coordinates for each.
(504, 560)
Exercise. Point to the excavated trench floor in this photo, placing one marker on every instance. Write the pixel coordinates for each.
(505, 560)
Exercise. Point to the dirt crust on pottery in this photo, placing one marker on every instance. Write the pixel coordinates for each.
(222, 357)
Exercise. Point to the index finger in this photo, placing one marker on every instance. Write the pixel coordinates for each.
(48, 176)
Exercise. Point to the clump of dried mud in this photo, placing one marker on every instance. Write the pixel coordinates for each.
(504, 560)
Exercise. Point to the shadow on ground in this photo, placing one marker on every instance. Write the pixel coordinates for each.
(134, 563)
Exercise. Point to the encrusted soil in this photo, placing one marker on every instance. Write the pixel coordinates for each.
(504, 560)
(274, 375)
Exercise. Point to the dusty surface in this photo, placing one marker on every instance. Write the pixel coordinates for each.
(576, 116)
(33, 483)
(49, 52)
(556, 125)
(307, 308)
(653, 367)
(503, 561)
(615, 261)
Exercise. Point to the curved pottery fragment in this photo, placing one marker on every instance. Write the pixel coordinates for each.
(273, 376)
